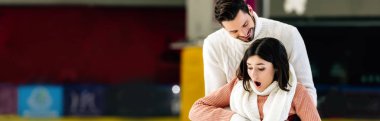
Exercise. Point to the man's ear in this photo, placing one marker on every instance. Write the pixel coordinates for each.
(250, 10)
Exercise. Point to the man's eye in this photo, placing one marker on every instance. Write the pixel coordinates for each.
(245, 24)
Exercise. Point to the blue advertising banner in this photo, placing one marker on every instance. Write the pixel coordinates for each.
(84, 100)
(40, 101)
(8, 99)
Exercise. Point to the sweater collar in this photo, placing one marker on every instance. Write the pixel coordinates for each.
(258, 25)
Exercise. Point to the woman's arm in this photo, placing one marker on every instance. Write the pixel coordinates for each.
(211, 107)
(304, 105)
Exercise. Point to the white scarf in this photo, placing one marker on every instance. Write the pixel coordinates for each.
(276, 107)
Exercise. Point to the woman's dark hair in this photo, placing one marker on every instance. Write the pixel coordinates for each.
(271, 50)
(226, 10)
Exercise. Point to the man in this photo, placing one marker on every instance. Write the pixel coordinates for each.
(223, 49)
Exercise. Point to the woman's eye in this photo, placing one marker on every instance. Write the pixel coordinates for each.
(261, 69)
(250, 68)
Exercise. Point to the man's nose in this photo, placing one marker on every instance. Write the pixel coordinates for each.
(243, 33)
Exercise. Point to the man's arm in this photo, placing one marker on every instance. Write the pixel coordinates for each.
(299, 59)
(214, 75)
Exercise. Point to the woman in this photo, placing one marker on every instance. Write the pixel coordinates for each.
(266, 89)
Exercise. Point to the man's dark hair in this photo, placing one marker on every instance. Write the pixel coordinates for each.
(226, 10)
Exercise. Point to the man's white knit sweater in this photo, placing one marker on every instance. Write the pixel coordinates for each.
(222, 53)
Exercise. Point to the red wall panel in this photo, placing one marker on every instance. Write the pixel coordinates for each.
(109, 44)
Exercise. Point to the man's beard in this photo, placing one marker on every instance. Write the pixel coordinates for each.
(249, 38)
(252, 31)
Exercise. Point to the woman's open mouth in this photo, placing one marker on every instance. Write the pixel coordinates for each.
(258, 84)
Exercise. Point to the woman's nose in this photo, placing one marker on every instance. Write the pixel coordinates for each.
(253, 74)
